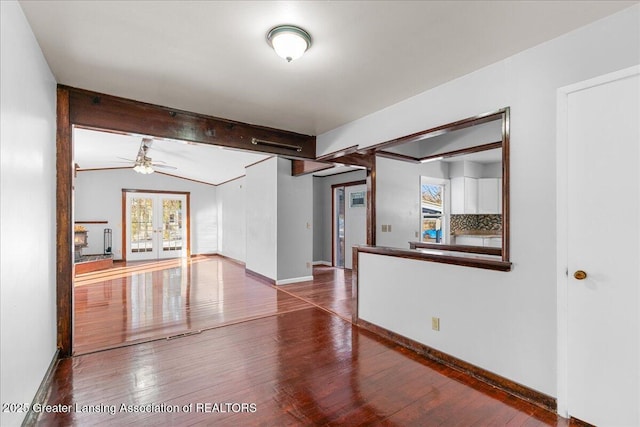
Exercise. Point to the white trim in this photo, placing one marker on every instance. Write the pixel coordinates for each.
(294, 280)
(562, 218)
(327, 263)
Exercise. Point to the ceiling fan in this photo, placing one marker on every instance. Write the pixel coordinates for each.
(143, 163)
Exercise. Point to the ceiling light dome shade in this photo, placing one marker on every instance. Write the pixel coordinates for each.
(288, 41)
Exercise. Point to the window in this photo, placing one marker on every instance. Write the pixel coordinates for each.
(432, 209)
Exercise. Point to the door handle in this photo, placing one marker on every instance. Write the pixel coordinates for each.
(580, 275)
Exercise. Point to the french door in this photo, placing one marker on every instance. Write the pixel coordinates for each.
(156, 225)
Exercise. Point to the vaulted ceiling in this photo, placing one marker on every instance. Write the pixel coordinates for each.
(211, 57)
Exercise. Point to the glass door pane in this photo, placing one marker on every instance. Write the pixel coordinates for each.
(141, 225)
(172, 227)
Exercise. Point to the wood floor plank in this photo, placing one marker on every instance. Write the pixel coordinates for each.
(288, 363)
(147, 301)
(330, 289)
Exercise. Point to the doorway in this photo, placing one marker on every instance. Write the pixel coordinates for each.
(156, 225)
(349, 221)
(598, 295)
(338, 227)
(433, 218)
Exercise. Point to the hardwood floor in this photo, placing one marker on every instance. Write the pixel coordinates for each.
(144, 301)
(329, 290)
(290, 363)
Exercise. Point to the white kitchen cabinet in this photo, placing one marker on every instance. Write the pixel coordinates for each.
(493, 242)
(470, 240)
(464, 195)
(489, 196)
(486, 241)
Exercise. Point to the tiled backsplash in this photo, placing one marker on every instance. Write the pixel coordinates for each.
(476, 222)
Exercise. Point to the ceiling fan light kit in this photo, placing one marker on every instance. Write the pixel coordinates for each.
(144, 168)
(288, 41)
(144, 164)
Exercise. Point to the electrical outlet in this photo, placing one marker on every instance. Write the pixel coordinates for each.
(308, 265)
(435, 323)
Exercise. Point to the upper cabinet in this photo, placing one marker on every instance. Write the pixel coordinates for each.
(476, 195)
(489, 196)
(464, 195)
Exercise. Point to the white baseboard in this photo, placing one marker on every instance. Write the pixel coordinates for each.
(294, 280)
(327, 263)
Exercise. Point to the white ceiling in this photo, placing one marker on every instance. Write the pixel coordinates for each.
(211, 57)
(199, 162)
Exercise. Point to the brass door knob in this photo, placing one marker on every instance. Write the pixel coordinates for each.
(580, 275)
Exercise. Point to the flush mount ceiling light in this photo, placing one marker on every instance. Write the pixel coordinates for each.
(288, 41)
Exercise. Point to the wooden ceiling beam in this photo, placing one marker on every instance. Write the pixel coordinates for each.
(100, 111)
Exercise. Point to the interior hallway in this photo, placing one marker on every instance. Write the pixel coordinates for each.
(288, 353)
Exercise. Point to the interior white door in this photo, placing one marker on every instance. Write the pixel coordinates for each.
(156, 225)
(603, 240)
(355, 220)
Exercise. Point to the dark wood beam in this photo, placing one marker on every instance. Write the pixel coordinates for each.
(336, 154)
(100, 111)
(441, 130)
(358, 159)
(64, 225)
(371, 201)
(397, 156)
(303, 167)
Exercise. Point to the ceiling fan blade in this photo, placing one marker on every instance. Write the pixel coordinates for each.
(128, 160)
(155, 165)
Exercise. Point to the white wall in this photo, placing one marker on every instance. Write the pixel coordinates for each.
(28, 251)
(295, 232)
(398, 198)
(355, 223)
(262, 215)
(322, 197)
(232, 219)
(98, 197)
(503, 322)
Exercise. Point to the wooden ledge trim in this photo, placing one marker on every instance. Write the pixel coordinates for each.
(530, 395)
(488, 264)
